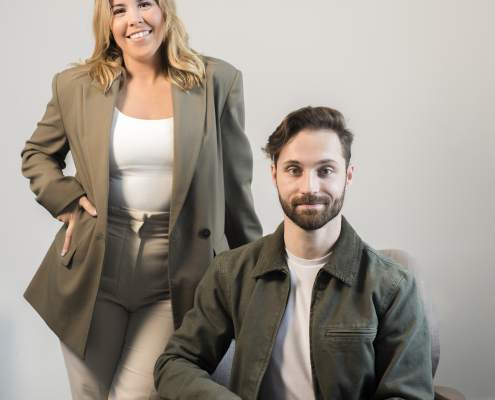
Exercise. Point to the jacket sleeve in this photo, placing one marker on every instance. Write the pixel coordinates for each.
(242, 225)
(402, 347)
(43, 159)
(194, 351)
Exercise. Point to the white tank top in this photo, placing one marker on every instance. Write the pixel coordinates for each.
(141, 163)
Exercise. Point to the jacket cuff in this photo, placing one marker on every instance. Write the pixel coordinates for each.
(57, 208)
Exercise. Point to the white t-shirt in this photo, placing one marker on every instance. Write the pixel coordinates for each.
(288, 375)
(141, 163)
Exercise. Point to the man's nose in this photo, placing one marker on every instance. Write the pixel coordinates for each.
(310, 183)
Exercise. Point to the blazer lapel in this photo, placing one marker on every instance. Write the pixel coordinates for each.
(189, 110)
(98, 110)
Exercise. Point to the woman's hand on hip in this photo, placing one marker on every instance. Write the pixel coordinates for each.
(69, 215)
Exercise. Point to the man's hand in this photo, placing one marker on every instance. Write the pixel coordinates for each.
(69, 216)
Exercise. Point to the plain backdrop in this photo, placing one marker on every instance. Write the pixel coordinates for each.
(416, 81)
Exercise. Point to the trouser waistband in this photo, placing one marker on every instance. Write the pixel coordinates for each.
(139, 221)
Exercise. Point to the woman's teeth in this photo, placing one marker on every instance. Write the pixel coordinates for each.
(140, 34)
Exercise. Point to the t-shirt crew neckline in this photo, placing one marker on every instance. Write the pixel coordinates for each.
(301, 262)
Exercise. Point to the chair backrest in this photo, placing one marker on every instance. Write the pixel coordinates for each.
(405, 259)
(222, 373)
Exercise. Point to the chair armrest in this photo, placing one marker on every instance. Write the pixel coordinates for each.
(446, 393)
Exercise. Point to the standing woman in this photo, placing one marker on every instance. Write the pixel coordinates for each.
(163, 182)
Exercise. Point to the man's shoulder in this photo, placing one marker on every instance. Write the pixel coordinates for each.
(244, 256)
(383, 269)
(381, 259)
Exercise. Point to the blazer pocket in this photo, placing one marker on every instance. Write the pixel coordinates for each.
(222, 245)
(59, 245)
(350, 334)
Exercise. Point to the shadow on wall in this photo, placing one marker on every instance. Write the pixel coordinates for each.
(7, 357)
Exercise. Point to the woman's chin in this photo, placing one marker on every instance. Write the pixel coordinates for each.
(141, 56)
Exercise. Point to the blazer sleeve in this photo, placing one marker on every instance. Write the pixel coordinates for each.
(402, 347)
(194, 351)
(242, 225)
(43, 159)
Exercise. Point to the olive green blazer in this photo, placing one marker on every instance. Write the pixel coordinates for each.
(211, 208)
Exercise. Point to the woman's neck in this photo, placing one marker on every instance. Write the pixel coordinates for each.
(146, 72)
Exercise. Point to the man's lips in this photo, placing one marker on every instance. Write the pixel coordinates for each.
(310, 205)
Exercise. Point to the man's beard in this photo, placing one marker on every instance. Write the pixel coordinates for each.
(312, 219)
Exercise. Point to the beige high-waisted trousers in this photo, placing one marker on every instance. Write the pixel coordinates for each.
(132, 320)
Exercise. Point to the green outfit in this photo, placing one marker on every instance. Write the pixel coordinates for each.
(369, 334)
(211, 209)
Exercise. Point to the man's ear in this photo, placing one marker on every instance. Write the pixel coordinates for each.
(273, 170)
(350, 175)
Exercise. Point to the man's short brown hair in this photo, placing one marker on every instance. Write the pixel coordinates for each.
(313, 119)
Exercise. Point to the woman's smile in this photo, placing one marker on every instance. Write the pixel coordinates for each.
(139, 36)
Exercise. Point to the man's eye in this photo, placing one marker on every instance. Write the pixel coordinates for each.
(326, 171)
(293, 171)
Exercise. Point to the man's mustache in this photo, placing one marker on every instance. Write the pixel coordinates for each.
(310, 199)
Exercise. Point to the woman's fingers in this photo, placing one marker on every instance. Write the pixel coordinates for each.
(86, 204)
(69, 214)
(70, 210)
(68, 236)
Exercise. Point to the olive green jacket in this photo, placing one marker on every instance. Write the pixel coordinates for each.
(211, 207)
(369, 335)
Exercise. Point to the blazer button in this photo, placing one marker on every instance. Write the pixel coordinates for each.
(206, 233)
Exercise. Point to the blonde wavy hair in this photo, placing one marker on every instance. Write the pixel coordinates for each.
(181, 64)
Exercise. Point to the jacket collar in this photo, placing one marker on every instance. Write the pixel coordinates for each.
(344, 263)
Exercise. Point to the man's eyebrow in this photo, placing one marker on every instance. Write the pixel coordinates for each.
(325, 161)
(291, 162)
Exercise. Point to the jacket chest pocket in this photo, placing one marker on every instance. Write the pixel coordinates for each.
(348, 355)
(351, 334)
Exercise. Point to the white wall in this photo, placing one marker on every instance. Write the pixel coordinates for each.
(414, 78)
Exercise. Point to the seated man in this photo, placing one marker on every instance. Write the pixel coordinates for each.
(315, 312)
